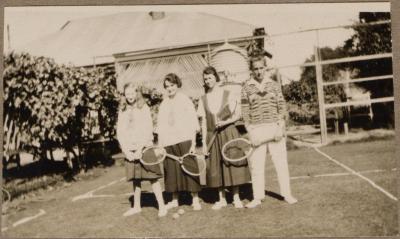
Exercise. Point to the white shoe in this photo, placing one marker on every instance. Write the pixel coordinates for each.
(132, 211)
(238, 204)
(253, 203)
(162, 212)
(291, 200)
(171, 204)
(220, 204)
(196, 206)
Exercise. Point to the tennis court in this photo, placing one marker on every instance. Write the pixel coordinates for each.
(343, 190)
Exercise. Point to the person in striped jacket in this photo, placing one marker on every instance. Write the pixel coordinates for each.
(263, 112)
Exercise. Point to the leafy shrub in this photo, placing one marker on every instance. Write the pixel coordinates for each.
(56, 105)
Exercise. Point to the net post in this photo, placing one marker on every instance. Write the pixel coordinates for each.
(321, 103)
(346, 129)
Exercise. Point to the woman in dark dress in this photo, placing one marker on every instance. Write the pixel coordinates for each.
(219, 110)
(177, 126)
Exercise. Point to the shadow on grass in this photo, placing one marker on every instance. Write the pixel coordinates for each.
(92, 156)
(148, 199)
(370, 138)
(207, 195)
(274, 195)
(210, 195)
(35, 169)
(246, 193)
(44, 173)
(51, 168)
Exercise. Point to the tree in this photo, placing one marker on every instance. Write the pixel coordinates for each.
(302, 95)
(48, 105)
(374, 39)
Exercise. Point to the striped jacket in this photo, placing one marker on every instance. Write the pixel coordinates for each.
(262, 106)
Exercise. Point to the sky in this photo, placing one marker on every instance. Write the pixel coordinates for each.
(29, 23)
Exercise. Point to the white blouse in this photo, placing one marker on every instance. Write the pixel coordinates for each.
(177, 120)
(134, 128)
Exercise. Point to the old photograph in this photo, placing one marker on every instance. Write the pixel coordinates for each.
(201, 120)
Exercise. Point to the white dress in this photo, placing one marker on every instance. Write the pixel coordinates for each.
(177, 125)
(135, 130)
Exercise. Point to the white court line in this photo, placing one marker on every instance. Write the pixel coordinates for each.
(82, 196)
(373, 184)
(112, 195)
(90, 193)
(340, 174)
(105, 195)
(27, 219)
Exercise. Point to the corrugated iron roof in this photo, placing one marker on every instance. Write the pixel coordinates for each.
(79, 41)
(151, 72)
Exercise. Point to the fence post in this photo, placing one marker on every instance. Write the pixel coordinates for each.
(336, 123)
(279, 77)
(347, 108)
(346, 129)
(321, 102)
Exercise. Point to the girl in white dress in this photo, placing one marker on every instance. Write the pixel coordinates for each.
(134, 132)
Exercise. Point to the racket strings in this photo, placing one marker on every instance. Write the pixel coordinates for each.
(193, 164)
(236, 150)
(153, 156)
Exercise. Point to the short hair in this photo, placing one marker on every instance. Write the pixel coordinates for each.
(174, 79)
(255, 59)
(209, 70)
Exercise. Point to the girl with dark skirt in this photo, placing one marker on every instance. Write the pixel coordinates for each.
(134, 132)
(219, 110)
(176, 126)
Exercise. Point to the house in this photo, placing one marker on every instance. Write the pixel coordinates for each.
(144, 46)
(186, 52)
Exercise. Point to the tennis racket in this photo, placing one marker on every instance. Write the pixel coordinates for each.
(191, 163)
(240, 148)
(152, 155)
(224, 114)
(211, 142)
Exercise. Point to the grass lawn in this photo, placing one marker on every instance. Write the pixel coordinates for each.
(331, 203)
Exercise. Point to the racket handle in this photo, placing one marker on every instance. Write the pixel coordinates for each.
(266, 141)
(210, 144)
(177, 158)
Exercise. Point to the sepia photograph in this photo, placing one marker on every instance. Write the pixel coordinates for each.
(199, 120)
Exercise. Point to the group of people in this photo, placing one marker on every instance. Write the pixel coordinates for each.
(262, 108)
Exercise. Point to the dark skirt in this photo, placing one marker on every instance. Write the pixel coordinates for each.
(135, 170)
(176, 180)
(221, 173)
